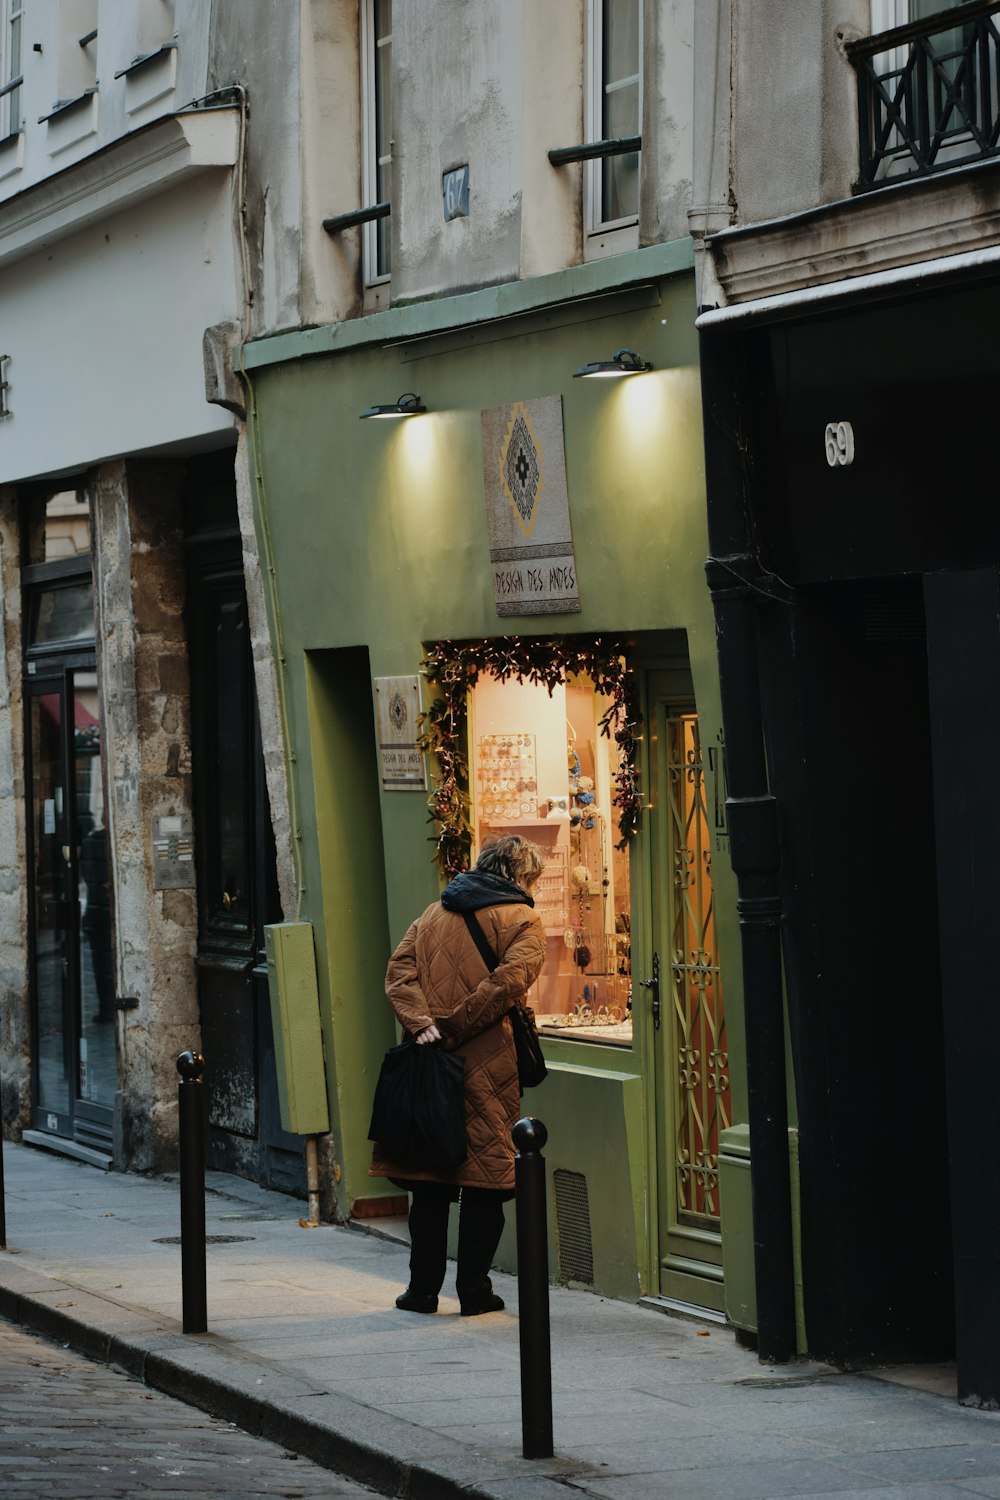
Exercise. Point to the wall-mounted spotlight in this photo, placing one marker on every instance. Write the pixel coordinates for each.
(625, 362)
(408, 405)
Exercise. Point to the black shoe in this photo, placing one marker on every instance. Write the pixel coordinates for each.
(485, 1301)
(420, 1302)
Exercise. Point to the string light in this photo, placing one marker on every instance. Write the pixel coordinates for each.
(454, 667)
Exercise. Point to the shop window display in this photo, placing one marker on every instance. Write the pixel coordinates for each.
(542, 767)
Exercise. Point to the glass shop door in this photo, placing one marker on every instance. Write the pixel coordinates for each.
(71, 957)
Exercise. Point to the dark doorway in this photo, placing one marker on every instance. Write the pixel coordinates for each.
(849, 747)
(71, 957)
(234, 849)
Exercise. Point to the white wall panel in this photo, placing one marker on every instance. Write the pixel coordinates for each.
(104, 334)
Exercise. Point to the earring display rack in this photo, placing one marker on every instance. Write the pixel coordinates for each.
(584, 991)
(551, 894)
(507, 774)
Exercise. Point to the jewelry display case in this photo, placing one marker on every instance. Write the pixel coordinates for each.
(543, 769)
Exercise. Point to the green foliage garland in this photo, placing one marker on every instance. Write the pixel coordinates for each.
(454, 668)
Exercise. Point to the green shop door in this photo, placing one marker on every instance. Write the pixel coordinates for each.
(690, 1063)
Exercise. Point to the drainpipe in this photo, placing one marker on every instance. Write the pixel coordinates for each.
(312, 1178)
(711, 165)
(738, 587)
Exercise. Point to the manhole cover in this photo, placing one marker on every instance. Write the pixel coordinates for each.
(777, 1382)
(210, 1239)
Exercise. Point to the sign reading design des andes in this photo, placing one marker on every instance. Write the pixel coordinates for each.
(527, 509)
(397, 706)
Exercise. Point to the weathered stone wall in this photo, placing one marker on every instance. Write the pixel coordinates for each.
(269, 706)
(15, 1031)
(142, 663)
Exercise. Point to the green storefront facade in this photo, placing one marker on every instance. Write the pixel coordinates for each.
(375, 546)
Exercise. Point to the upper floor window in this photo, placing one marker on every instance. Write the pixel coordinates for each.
(614, 114)
(616, 100)
(612, 120)
(11, 15)
(928, 87)
(376, 145)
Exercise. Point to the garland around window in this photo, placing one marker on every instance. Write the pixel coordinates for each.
(453, 667)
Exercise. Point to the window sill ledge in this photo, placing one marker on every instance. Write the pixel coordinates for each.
(138, 63)
(65, 107)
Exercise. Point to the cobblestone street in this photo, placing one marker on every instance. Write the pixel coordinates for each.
(74, 1430)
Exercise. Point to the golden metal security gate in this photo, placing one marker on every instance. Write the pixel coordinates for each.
(690, 1057)
(701, 1084)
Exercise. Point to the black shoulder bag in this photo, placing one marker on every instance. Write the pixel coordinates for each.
(531, 1069)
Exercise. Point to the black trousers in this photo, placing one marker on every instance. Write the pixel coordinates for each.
(480, 1225)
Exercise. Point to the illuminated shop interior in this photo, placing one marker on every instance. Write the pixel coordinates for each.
(542, 767)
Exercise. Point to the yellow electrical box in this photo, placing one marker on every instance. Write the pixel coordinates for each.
(298, 1036)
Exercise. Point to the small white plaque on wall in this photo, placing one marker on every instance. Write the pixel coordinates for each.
(527, 509)
(397, 707)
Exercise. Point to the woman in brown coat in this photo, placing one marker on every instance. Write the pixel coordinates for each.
(439, 986)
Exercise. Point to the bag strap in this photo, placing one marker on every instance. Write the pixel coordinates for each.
(481, 941)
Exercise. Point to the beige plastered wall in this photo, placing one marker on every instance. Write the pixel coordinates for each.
(794, 125)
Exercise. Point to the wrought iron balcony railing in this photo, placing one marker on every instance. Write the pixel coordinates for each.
(929, 93)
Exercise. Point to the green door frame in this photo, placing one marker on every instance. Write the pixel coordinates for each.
(685, 1259)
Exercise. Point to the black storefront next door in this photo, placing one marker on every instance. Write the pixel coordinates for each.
(71, 960)
(235, 854)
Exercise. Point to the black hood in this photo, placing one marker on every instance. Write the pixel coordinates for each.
(477, 888)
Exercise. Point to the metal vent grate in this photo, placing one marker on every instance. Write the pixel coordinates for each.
(576, 1246)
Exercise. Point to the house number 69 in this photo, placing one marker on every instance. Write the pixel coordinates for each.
(839, 443)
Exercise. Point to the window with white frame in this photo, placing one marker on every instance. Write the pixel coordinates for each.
(889, 13)
(376, 145)
(927, 96)
(614, 104)
(12, 12)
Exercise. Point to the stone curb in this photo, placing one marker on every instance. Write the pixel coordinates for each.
(383, 1466)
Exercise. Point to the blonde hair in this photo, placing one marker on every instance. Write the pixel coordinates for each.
(512, 857)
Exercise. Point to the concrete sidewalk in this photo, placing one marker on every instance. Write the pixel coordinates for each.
(305, 1347)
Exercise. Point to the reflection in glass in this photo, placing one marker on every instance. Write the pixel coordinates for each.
(12, 69)
(67, 525)
(383, 128)
(232, 877)
(71, 897)
(97, 1074)
(51, 907)
(62, 615)
(621, 106)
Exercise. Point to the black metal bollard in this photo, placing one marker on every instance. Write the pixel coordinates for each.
(191, 1147)
(533, 1289)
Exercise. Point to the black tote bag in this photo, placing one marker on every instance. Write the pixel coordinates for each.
(418, 1117)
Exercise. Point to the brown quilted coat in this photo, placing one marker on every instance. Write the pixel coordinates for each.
(437, 974)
